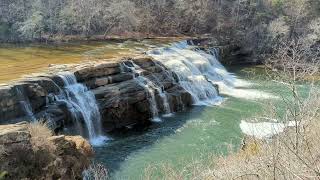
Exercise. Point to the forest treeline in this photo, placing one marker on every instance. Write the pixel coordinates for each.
(243, 20)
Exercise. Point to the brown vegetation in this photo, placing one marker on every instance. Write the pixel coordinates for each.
(245, 21)
(96, 172)
(39, 137)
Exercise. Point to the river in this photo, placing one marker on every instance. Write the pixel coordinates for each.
(177, 141)
(193, 135)
(18, 60)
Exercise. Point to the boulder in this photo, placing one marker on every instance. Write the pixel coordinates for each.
(97, 71)
(52, 157)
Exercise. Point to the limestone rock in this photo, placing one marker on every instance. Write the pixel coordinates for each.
(121, 98)
(20, 159)
(82, 145)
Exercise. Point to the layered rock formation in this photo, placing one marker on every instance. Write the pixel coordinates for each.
(230, 52)
(122, 100)
(35, 154)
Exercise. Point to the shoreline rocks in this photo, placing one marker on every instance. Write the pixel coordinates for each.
(28, 155)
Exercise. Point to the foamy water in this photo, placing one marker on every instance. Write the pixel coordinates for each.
(242, 89)
(199, 71)
(263, 130)
(99, 141)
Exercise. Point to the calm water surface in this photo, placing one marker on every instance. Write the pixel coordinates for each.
(24, 59)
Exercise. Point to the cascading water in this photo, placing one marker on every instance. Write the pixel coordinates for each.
(228, 82)
(25, 104)
(166, 105)
(150, 87)
(83, 106)
(187, 64)
(199, 71)
(163, 95)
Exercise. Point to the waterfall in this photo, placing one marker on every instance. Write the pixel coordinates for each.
(228, 83)
(166, 105)
(163, 95)
(200, 71)
(189, 65)
(83, 107)
(150, 87)
(25, 104)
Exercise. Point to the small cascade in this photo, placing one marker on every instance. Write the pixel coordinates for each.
(189, 66)
(216, 72)
(166, 105)
(25, 104)
(83, 106)
(163, 95)
(150, 87)
(200, 71)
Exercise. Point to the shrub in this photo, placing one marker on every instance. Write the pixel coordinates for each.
(95, 172)
(40, 133)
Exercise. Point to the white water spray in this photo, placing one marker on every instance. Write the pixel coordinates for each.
(25, 104)
(84, 106)
(199, 71)
(187, 65)
(150, 87)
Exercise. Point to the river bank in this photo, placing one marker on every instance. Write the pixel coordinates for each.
(32, 151)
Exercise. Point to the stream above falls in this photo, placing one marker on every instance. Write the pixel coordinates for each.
(18, 60)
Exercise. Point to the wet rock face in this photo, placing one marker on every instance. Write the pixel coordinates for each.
(22, 158)
(121, 99)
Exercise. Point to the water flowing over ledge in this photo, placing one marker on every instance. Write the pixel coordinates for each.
(200, 73)
(91, 99)
(83, 105)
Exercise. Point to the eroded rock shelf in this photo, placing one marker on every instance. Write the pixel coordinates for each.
(122, 101)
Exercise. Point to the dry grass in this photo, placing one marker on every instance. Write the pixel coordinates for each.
(40, 133)
(2, 151)
(95, 172)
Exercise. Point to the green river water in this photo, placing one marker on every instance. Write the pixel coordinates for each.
(193, 135)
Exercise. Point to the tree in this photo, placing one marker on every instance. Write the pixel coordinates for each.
(32, 27)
